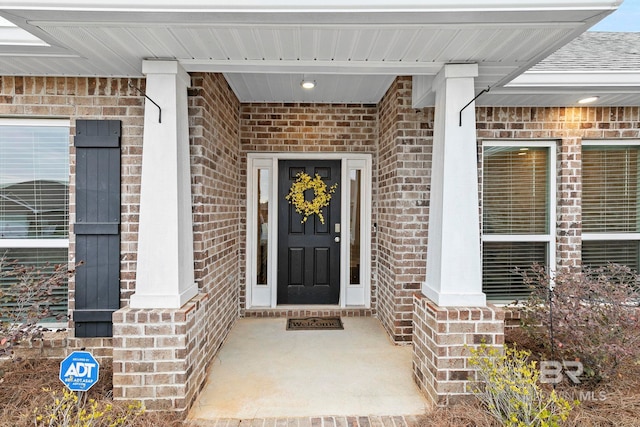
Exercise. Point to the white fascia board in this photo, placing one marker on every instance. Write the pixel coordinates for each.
(312, 5)
(617, 78)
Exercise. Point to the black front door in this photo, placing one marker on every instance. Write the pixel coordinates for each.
(308, 252)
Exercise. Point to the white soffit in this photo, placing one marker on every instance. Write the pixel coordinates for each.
(354, 47)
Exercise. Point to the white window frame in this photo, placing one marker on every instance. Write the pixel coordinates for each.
(259, 296)
(550, 237)
(39, 243)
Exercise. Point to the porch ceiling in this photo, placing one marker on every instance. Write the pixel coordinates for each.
(352, 48)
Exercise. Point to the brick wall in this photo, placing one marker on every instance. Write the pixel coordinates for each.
(89, 98)
(160, 356)
(217, 200)
(349, 128)
(442, 338)
(404, 157)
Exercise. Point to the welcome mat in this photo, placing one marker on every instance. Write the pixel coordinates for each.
(314, 323)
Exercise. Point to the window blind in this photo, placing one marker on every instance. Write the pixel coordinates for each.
(34, 181)
(610, 189)
(598, 253)
(515, 190)
(500, 261)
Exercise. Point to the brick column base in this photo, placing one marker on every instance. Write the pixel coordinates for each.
(157, 357)
(442, 337)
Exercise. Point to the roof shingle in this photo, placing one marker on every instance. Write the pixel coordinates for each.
(596, 51)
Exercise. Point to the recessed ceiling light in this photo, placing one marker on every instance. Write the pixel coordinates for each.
(588, 100)
(308, 84)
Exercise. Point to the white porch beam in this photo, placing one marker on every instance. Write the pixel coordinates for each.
(422, 93)
(165, 271)
(454, 276)
(391, 68)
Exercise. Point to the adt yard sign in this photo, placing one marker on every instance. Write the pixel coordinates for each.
(79, 371)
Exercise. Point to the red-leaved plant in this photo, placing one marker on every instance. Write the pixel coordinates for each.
(590, 316)
(28, 300)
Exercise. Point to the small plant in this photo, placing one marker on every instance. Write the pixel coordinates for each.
(27, 301)
(68, 410)
(591, 316)
(509, 390)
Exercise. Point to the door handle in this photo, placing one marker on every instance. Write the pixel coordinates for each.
(337, 239)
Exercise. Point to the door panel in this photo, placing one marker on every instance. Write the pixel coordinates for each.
(322, 266)
(308, 255)
(296, 266)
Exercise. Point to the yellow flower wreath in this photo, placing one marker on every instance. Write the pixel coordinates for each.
(322, 195)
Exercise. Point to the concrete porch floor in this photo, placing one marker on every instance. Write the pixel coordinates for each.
(265, 371)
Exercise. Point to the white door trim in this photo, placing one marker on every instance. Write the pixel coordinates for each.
(265, 295)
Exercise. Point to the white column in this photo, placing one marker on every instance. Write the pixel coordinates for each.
(165, 271)
(454, 275)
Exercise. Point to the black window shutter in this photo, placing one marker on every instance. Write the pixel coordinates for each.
(97, 227)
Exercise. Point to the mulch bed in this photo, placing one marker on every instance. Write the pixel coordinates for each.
(21, 392)
(615, 403)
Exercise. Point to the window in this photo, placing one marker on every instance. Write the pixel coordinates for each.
(518, 206)
(34, 195)
(260, 242)
(262, 248)
(355, 224)
(610, 222)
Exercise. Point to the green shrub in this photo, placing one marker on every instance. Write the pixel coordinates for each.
(508, 389)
